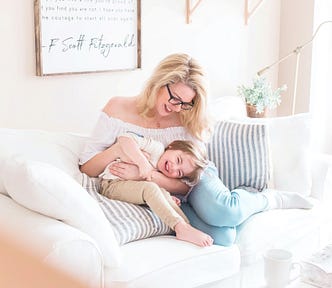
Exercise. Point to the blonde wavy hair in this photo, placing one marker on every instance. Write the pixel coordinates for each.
(198, 154)
(173, 69)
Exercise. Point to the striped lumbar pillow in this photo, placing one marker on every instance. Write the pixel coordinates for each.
(129, 221)
(240, 152)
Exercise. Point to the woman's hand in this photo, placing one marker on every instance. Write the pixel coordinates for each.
(126, 171)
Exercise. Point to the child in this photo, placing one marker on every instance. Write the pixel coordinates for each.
(180, 159)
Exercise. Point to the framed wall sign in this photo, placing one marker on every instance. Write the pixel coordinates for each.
(81, 36)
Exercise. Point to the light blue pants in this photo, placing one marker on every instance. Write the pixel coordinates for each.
(215, 210)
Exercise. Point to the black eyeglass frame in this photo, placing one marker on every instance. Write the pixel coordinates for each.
(189, 106)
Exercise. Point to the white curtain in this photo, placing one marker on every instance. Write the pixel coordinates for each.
(321, 78)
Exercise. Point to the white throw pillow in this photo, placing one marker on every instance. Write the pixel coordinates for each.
(46, 189)
(291, 151)
(58, 149)
(290, 140)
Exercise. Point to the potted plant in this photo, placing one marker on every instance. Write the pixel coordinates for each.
(260, 96)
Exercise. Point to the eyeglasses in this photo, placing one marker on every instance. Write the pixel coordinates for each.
(176, 101)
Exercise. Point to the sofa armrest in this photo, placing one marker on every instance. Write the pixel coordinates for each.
(53, 241)
(320, 166)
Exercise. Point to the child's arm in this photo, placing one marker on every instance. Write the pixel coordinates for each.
(131, 149)
(172, 185)
(129, 171)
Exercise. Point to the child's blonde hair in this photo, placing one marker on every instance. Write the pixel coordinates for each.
(198, 154)
(173, 69)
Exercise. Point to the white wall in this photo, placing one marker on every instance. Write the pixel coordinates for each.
(320, 98)
(299, 21)
(230, 51)
(296, 28)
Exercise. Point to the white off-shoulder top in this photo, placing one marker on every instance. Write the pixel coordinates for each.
(107, 129)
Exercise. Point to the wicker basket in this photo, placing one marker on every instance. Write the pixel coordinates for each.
(251, 112)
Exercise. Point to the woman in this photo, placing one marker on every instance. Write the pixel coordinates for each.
(173, 106)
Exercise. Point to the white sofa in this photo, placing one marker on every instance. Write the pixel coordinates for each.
(62, 232)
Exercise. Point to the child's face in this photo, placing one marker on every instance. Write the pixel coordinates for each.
(175, 164)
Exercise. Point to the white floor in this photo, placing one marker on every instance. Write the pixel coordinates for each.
(295, 284)
(252, 277)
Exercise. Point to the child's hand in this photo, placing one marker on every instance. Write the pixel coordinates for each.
(126, 171)
(147, 155)
(176, 200)
(146, 173)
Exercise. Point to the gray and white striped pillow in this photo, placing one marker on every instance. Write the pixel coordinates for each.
(130, 222)
(240, 152)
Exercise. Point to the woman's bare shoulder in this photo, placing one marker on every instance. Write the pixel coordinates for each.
(116, 106)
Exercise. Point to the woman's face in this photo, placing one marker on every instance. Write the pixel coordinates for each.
(176, 164)
(179, 90)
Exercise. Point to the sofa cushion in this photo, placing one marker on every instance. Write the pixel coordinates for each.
(283, 228)
(240, 152)
(169, 262)
(58, 149)
(130, 222)
(48, 190)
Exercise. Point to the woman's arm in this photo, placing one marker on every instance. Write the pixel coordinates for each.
(128, 151)
(98, 163)
(172, 185)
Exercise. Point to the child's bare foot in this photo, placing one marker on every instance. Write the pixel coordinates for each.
(186, 232)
